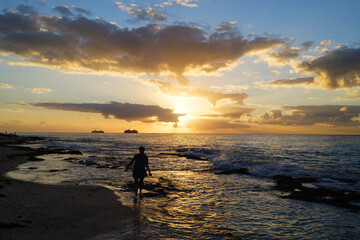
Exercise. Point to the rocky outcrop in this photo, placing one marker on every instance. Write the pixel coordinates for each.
(340, 198)
(235, 171)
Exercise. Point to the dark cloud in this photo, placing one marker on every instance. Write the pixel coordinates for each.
(12, 23)
(294, 81)
(97, 45)
(307, 45)
(25, 9)
(331, 115)
(125, 111)
(211, 96)
(80, 10)
(336, 69)
(285, 54)
(63, 11)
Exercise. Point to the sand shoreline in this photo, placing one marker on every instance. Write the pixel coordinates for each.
(38, 211)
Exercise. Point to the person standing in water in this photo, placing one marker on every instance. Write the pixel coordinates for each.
(139, 170)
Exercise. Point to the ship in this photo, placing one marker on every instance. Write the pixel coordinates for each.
(95, 131)
(130, 131)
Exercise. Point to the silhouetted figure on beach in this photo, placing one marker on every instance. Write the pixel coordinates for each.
(139, 171)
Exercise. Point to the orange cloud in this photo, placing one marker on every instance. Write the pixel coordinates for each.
(233, 112)
(213, 124)
(5, 85)
(351, 95)
(209, 95)
(39, 90)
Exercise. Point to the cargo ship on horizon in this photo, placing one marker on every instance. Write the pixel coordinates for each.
(130, 131)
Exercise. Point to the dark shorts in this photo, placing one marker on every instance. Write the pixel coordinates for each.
(139, 173)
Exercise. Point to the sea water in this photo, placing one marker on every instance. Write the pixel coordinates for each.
(201, 203)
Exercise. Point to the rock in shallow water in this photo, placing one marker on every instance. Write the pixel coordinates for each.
(339, 198)
(232, 171)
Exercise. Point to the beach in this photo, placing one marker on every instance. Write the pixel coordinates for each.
(38, 211)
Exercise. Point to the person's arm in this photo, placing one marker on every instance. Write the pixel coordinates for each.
(147, 166)
(132, 160)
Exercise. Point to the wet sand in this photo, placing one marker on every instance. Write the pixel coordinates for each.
(37, 211)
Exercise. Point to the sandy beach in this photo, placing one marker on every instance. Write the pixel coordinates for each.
(37, 211)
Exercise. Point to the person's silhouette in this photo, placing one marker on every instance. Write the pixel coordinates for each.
(139, 170)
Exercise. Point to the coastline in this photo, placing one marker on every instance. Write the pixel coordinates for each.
(37, 211)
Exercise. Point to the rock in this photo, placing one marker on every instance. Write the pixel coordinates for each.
(339, 198)
(58, 170)
(11, 225)
(35, 159)
(75, 152)
(232, 171)
(287, 183)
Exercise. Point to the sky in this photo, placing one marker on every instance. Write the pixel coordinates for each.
(180, 66)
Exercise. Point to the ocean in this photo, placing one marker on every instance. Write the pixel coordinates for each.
(188, 198)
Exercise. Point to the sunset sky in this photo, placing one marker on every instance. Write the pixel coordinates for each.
(180, 66)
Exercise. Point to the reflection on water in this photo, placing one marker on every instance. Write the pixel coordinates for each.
(209, 206)
(186, 200)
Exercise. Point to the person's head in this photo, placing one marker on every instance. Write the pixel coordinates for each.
(141, 149)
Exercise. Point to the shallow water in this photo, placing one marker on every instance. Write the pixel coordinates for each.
(205, 205)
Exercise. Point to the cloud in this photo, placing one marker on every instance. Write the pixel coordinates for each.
(324, 43)
(275, 72)
(124, 111)
(150, 13)
(184, 3)
(336, 69)
(79, 44)
(225, 26)
(63, 10)
(329, 115)
(249, 73)
(233, 112)
(25, 9)
(80, 10)
(294, 81)
(231, 88)
(209, 95)
(351, 95)
(285, 55)
(39, 90)
(212, 124)
(5, 85)
(307, 45)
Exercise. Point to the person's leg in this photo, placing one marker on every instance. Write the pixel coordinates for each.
(141, 184)
(136, 183)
